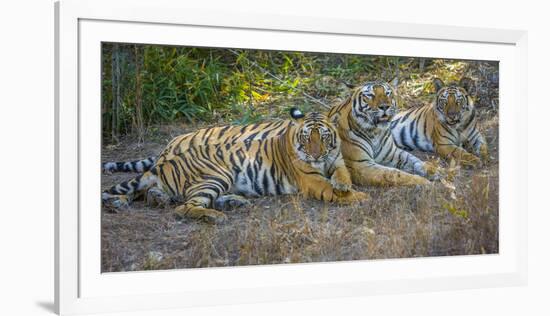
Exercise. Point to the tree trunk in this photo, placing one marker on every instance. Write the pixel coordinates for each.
(115, 76)
(138, 102)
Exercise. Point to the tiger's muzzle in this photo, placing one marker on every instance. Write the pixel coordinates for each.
(453, 119)
(386, 115)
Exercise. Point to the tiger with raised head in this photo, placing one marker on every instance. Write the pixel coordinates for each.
(447, 127)
(370, 153)
(215, 167)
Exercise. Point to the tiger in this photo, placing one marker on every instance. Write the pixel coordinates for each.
(369, 150)
(214, 167)
(447, 126)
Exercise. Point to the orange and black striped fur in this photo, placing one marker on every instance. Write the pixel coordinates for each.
(446, 127)
(215, 167)
(368, 148)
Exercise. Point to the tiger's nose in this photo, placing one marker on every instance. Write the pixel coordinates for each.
(315, 151)
(384, 107)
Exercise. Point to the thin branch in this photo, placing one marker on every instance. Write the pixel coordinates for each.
(253, 63)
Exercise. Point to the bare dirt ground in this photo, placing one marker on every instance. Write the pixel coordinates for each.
(458, 217)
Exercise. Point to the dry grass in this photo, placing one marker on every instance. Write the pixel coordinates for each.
(395, 223)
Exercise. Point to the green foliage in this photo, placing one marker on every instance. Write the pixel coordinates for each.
(244, 115)
(147, 85)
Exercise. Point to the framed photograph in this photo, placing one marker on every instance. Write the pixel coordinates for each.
(211, 157)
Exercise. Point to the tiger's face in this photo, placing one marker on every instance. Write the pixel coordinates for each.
(374, 104)
(316, 140)
(453, 101)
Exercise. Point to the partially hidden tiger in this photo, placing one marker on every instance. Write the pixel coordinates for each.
(215, 168)
(448, 126)
(369, 150)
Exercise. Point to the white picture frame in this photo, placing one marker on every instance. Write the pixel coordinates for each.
(80, 28)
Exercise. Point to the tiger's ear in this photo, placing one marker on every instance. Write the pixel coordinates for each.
(335, 120)
(438, 84)
(468, 85)
(394, 82)
(296, 114)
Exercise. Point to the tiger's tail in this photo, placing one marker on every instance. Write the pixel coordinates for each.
(130, 166)
(121, 194)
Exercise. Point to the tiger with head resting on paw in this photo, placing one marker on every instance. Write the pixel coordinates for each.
(213, 167)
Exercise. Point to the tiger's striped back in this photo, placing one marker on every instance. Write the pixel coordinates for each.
(211, 135)
(228, 135)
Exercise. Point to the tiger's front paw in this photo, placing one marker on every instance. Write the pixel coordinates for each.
(470, 161)
(199, 213)
(352, 196)
(340, 186)
(418, 180)
(340, 180)
(433, 171)
(403, 178)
